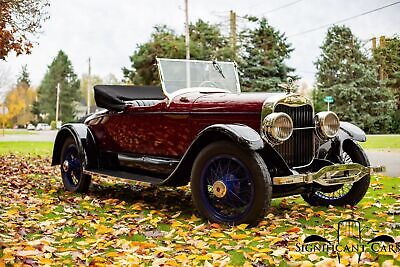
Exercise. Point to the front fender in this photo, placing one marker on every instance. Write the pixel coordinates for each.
(347, 132)
(240, 134)
(352, 131)
(83, 138)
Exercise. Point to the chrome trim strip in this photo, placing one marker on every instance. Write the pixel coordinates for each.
(330, 175)
(304, 128)
(149, 160)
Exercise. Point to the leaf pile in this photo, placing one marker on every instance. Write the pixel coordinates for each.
(125, 223)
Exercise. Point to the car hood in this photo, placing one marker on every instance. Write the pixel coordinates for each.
(226, 102)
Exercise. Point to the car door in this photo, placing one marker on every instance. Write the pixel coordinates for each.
(161, 130)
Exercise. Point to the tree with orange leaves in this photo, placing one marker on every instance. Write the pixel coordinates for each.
(20, 20)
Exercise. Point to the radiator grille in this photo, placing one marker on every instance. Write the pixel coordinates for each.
(299, 149)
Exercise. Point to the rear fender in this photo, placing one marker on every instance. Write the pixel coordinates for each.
(84, 139)
(242, 135)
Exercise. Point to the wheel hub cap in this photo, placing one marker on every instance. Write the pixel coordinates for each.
(65, 166)
(219, 189)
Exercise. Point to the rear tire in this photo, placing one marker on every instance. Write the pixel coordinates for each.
(72, 168)
(351, 193)
(230, 185)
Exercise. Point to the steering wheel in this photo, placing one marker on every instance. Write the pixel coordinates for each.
(212, 84)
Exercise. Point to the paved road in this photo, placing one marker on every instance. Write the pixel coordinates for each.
(389, 158)
(36, 136)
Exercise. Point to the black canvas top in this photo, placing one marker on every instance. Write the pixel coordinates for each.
(112, 97)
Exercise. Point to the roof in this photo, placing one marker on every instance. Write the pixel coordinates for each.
(113, 97)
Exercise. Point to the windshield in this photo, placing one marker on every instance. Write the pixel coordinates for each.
(216, 76)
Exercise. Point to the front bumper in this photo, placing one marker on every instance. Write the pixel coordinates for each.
(330, 175)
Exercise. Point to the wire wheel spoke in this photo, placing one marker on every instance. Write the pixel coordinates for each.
(343, 189)
(228, 186)
(73, 173)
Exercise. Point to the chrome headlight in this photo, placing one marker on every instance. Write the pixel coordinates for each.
(327, 124)
(277, 127)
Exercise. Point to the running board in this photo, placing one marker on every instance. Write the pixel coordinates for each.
(125, 175)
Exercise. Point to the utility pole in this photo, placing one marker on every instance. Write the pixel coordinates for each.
(89, 85)
(373, 43)
(381, 70)
(187, 44)
(57, 102)
(3, 116)
(232, 19)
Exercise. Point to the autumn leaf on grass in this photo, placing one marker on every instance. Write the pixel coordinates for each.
(102, 229)
(294, 230)
(238, 236)
(242, 226)
(279, 252)
(217, 235)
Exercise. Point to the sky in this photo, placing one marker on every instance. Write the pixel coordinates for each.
(109, 31)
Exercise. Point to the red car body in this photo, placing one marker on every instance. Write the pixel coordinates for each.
(168, 128)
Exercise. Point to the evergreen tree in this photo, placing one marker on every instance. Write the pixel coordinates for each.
(387, 56)
(59, 71)
(23, 78)
(264, 50)
(347, 74)
(208, 42)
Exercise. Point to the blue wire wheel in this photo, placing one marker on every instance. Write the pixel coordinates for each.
(71, 166)
(227, 188)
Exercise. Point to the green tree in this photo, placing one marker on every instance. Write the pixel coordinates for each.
(264, 50)
(387, 56)
(206, 43)
(84, 81)
(163, 43)
(59, 71)
(347, 74)
(23, 78)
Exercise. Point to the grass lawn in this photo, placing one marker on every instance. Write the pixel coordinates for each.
(22, 147)
(382, 141)
(126, 223)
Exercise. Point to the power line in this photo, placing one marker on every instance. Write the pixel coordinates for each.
(281, 7)
(216, 13)
(343, 20)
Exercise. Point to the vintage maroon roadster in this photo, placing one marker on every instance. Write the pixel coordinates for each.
(237, 150)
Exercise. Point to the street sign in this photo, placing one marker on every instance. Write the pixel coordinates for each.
(329, 99)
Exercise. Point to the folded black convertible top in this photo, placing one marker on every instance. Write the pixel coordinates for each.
(112, 97)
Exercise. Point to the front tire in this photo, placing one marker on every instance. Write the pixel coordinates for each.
(346, 194)
(230, 185)
(73, 178)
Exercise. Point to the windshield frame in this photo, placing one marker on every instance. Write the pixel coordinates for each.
(170, 95)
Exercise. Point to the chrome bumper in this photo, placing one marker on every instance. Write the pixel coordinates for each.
(330, 175)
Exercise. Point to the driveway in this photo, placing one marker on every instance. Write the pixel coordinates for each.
(390, 158)
(35, 136)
